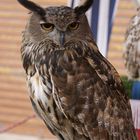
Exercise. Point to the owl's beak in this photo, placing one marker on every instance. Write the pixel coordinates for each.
(62, 38)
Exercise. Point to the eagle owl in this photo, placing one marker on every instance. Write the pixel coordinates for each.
(132, 48)
(73, 88)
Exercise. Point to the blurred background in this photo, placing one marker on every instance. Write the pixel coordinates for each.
(15, 106)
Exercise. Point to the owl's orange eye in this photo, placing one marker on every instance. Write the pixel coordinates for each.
(47, 26)
(73, 26)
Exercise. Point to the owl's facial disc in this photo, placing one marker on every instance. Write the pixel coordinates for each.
(57, 34)
(49, 27)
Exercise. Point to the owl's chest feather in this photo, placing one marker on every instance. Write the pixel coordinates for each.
(41, 93)
(45, 107)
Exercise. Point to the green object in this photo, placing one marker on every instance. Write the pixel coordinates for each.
(127, 84)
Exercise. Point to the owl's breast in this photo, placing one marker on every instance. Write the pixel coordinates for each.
(42, 99)
(41, 96)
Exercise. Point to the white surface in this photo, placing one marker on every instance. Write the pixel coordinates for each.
(103, 26)
(135, 106)
(8, 136)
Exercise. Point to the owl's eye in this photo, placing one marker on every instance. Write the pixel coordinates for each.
(73, 26)
(47, 26)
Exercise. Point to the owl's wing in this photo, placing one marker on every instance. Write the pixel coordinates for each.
(88, 90)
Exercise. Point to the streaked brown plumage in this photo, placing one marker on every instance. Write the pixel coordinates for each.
(73, 88)
(132, 48)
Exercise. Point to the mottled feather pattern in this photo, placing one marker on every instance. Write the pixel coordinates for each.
(132, 47)
(88, 81)
(73, 88)
(78, 78)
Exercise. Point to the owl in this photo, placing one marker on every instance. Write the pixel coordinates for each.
(73, 88)
(132, 48)
(137, 2)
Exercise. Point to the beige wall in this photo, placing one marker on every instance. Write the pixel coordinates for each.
(126, 9)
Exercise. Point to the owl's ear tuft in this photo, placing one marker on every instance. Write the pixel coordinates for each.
(82, 8)
(32, 7)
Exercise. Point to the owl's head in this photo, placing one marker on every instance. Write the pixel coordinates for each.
(59, 24)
